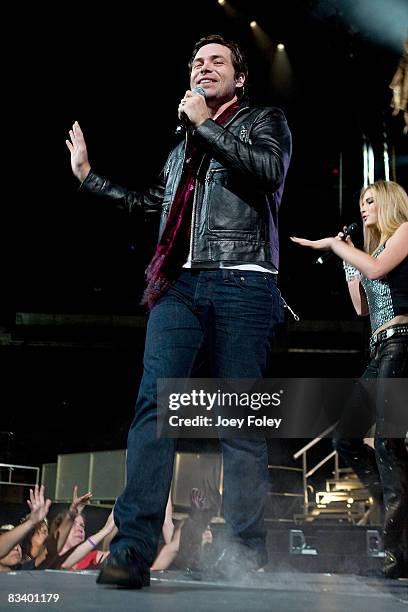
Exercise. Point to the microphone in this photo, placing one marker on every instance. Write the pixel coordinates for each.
(184, 121)
(349, 231)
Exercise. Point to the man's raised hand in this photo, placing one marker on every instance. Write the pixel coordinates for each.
(79, 154)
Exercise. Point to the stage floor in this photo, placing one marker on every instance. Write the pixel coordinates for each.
(174, 592)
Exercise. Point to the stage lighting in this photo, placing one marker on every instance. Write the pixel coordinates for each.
(281, 47)
(253, 24)
(221, 2)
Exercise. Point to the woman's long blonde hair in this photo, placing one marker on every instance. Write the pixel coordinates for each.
(392, 207)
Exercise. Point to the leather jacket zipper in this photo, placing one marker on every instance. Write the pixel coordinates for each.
(193, 211)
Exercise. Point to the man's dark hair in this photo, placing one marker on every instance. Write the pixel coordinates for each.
(238, 57)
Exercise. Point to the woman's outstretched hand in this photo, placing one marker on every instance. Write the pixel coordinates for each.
(324, 244)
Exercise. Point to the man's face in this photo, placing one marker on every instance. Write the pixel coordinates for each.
(213, 70)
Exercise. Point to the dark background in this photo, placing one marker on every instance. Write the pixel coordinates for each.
(121, 72)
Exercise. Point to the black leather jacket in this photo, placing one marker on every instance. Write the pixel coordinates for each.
(238, 189)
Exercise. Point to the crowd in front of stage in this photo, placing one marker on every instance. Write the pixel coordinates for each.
(35, 544)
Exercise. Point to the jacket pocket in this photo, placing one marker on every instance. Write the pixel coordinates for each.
(227, 211)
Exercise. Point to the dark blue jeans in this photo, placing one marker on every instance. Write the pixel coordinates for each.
(232, 314)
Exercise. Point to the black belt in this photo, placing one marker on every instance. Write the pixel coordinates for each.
(393, 330)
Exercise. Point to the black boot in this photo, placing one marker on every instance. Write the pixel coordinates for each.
(392, 459)
(361, 458)
(126, 569)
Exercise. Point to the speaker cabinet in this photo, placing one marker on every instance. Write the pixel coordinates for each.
(49, 479)
(107, 477)
(103, 473)
(192, 470)
(72, 469)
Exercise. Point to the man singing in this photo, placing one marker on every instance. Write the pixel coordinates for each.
(212, 285)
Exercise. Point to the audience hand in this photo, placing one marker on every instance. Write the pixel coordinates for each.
(38, 507)
(79, 503)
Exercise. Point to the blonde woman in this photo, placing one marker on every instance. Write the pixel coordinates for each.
(377, 280)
